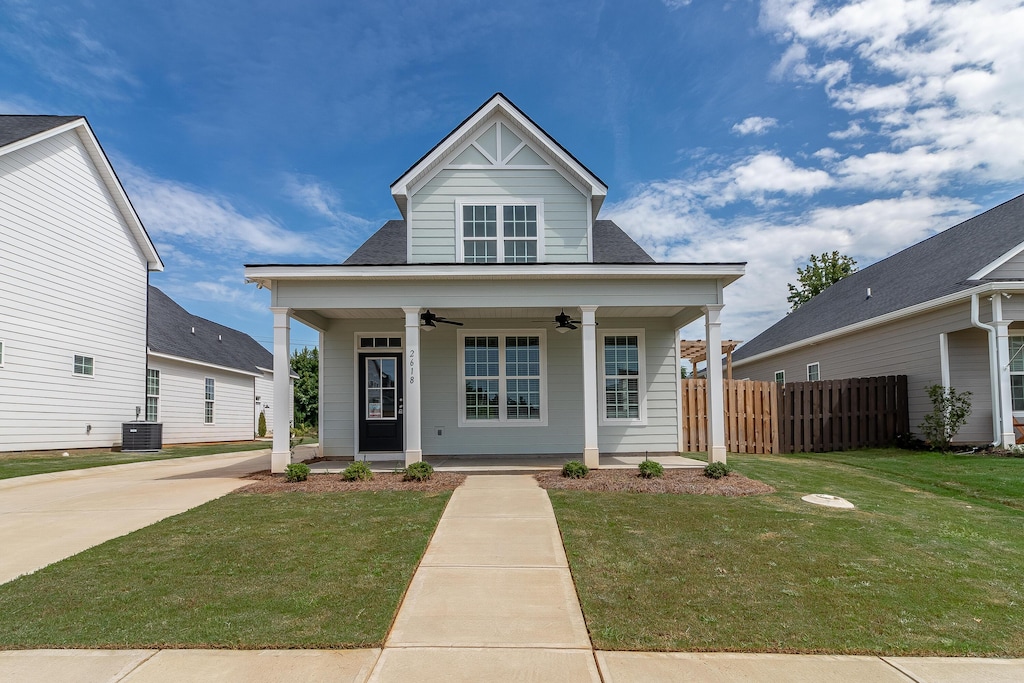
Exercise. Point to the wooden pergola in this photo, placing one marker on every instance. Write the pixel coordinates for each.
(697, 350)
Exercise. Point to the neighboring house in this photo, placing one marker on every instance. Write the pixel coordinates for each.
(948, 310)
(205, 382)
(499, 232)
(74, 266)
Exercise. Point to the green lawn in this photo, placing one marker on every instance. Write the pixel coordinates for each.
(23, 464)
(930, 562)
(245, 571)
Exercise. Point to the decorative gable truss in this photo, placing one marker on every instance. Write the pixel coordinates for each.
(498, 146)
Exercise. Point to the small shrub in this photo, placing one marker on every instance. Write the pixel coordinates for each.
(297, 471)
(419, 471)
(357, 471)
(650, 469)
(261, 428)
(908, 441)
(950, 411)
(717, 470)
(574, 469)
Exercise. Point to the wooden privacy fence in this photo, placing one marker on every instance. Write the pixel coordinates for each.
(840, 414)
(827, 415)
(750, 423)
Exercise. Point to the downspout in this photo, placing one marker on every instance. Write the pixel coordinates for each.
(993, 367)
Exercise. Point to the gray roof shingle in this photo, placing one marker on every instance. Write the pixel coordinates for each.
(170, 332)
(14, 127)
(387, 246)
(938, 266)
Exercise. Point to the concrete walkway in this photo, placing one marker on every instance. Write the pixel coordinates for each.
(48, 517)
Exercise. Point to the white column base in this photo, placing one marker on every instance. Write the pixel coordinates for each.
(592, 458)
(717, 454)
(279, 460)
(413, 456)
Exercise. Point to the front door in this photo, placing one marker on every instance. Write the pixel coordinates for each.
(380, 402)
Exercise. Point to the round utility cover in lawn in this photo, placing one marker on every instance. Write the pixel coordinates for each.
(828, 501)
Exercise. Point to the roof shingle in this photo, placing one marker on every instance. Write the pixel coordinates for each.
(14, 127)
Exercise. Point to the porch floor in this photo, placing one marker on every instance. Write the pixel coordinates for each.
(506, 463)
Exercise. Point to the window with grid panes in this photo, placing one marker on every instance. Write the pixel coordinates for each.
(210, 392)
(502, 375)
(83, 365)
(1017, 372)
(515, 240)
(622, 377)
(152, 395)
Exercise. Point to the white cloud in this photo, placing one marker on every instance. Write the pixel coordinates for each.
(755, 125)
(314, 196)
(676, 4)
(853, 130)
(760, 178)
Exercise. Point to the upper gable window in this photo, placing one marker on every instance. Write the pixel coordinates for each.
(500, 231)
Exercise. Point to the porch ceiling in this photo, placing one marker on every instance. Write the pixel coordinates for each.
(539, 313)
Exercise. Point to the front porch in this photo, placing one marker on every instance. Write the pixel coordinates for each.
(508, 463)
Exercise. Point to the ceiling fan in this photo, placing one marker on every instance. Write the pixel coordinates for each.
(563, 322)
(428, 321)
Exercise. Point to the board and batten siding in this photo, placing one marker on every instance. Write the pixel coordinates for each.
(74, 282)
(183, 403)
(909, 346)
(433, 224)
(439, 377)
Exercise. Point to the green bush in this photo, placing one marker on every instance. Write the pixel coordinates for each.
(949, 413)
(574, 469)
(650, 469)
(297, 471)
(419, 471)
(717, 470)
(261, 429)
(357, 471)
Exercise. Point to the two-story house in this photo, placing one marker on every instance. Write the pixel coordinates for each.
(499, 315)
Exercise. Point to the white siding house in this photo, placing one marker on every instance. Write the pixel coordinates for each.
(206, 382)
(74, 265)
(948, 310)
(498, 316)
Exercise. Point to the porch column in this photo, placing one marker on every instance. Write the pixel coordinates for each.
(591, 453)
(281, 454)
(413, 446)
(1007, 437)
(716, 389)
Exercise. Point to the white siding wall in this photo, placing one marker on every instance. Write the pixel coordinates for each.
(73, 282)
(1011, 270)
(907, 347)
(183, 403)
(440, 399)
(432, 210)
(265, 390)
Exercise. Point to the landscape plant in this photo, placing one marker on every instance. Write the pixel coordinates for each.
(717, 470)
(574, 469)
(357, 471)
(419, 471)
(950, 411)
(261, 428)
(649, 469)
(297, 471)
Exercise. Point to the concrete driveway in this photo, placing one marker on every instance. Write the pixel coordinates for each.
(47, 517)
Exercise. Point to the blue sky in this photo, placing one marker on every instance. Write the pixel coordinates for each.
(253, 132)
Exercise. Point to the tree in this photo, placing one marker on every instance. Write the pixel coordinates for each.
(306, 364)
(821, 272)
(950, 411)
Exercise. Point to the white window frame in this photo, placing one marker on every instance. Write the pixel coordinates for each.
(499, 203)
(780, 376)
(641, 343)
(1015, 360)
(817, 371)
(502, 420)
(211, 403)
(154, 396)
(75, 364)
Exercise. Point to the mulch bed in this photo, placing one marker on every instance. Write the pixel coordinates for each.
(265, 482)
(675, 481)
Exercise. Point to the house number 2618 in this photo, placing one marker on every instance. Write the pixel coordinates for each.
(412, 367)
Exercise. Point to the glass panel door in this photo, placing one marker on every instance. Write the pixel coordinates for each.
(381, 396)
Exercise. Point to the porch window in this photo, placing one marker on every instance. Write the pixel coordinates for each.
(813, 372)
(83, 365)
(624, 376)
(210, 393)
(503, 379)
(1017, 372)
(152, 395)
(500, 232)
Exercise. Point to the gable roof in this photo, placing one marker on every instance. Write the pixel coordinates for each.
(18, 131)
(387, 246)
(170, 333)
(939, 266)
(474, 123)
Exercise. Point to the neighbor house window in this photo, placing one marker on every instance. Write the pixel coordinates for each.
(83, 365)
(208, 414)
(813, 372)
(624, 382)
(502, 375)
(500, 232)
(152, 395)
(780, 376)
(1017, 372)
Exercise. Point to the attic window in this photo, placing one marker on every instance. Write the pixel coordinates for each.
(501, 232)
